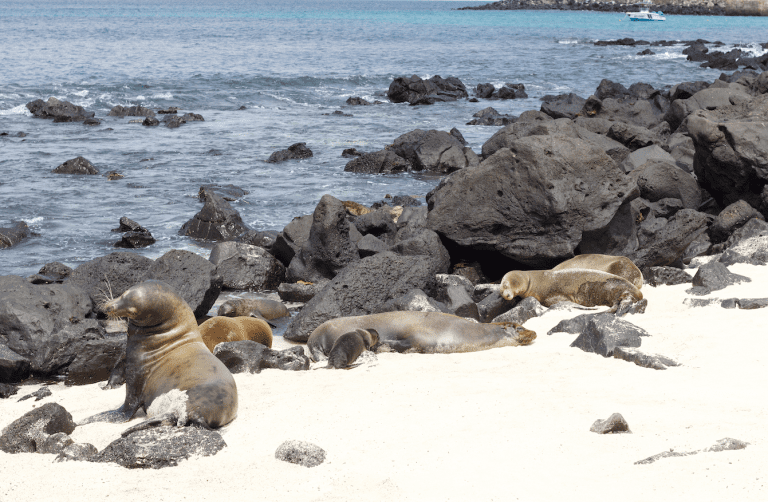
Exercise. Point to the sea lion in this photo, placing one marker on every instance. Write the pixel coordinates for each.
(589, 288)
(234, 329)
(253, 307)
(616, 265)
(348, 347)
(428, 332)
(165, 353)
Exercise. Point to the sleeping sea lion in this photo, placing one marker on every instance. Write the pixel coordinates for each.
(589, 288)
(165, 353)
(253, 307)
(348, 347)
(234, 329)
(616, 265)
(428, 332)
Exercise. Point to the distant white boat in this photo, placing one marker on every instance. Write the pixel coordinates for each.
(646, 14)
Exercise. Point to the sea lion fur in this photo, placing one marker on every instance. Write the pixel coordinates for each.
(234, 329)
(616, 265)
(348, 347)
(164, 353)
(589, 288)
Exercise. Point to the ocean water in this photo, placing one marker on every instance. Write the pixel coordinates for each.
(290, 63)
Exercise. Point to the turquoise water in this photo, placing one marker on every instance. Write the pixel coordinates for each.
(290, 64)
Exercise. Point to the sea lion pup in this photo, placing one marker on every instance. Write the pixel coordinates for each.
(164, 353)
(589, 288)
(428, 332)
(348, 347)
(616, 265)
(234, 329)
(253, 307)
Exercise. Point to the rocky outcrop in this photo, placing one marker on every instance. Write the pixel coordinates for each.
(436, 151)
(417, 91)
(59, 111)
(217, 221)
(10, 236)
(531, 202)
(677, 7)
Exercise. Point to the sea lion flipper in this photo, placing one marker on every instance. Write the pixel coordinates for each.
(113, 416)
(165, 419)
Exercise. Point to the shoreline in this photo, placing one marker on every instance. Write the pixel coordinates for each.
(680, 7)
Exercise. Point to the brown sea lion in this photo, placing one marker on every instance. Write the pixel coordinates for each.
(348, 347)
(234, 329)
(429, 332)
(165, 353)
(253, 307)
(616, 265)
(589, 288)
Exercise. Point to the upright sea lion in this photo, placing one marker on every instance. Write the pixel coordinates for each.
(234, 329)
(165, 352)
(616, 265)
(429, 332)
(253, 307)
(579, 285)
(348, 347)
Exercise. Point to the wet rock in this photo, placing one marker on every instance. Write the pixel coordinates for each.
(59, 111)
(150, 122)
(612, 425)
(217, 221)
(301, 453)
(512, 91)
(130, 111)
(33, 428)
(490, 117)
(358, 101)
(381, 162)
(160, 447)
(228, 192)
(297, 151)
(434, 150)
(78, 165)
(417, 91)
(252, 357)
(10, 236)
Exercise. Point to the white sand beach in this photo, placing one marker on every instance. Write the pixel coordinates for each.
(503, 424)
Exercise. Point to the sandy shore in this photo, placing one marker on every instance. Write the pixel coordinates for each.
(504, 424)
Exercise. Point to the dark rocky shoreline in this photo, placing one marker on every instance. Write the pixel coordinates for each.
(678, 8)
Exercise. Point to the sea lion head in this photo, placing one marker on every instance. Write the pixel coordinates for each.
(227, 309)
(514, 283)
(370, 337)
(146, 304)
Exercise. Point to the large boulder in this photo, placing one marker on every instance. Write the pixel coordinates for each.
(109, 276)
(663, 241)
(28, 433)
(563, 106)
(41, 327)
(328, 248)
(290, 241)
(706, 99)
(731, 160)
(193, 277)
(417, 91)
(433, 150)
(217, 221)
(242, 266)
(59, 111)
(361, 288)
(531, 203)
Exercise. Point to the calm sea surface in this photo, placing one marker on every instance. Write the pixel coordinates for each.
(290, 63)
